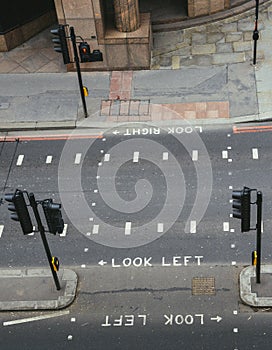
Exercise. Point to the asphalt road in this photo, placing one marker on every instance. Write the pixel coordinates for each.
(153, 198)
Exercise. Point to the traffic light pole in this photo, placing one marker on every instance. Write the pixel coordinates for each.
(34, 206)
(256, 33)
(76, 58)
(259, 235)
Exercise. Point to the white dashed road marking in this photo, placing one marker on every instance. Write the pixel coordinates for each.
(20, 160)
(225, 154)
(128, 228)
(255, 153)
(165, 156)
(78, 158)
(48, 159)
(1, 230)
(64, 232)
(107, 157)
(194, 155)
(135, 157)
(95, 229)
(226, 226)
(193, 226)
(160, 227)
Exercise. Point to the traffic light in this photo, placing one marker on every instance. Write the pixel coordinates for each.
(61, 43)
(53, 216)
(87, 56)
(84, 52)
(96, 56)
(19, 210)
(241, 207)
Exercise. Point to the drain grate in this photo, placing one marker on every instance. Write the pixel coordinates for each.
(203, 286)
(125, 107)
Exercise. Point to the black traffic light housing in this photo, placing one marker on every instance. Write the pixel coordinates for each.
(19, 210)
(53, 216)
(86, 55)
(60, 43)
(84, 52)
(241, 207)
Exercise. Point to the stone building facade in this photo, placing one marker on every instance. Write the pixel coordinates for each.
(116, 27)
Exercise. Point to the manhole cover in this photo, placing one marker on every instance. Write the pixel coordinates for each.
(203, 286)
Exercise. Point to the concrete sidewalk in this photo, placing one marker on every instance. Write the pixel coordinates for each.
(34, 289)
(217, 94)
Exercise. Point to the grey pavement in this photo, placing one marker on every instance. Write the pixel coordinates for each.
(34, 289)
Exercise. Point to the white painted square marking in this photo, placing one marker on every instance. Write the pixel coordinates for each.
(225, 154)
(78, 158)
(233, 263)
(229, 147)
(232, 230)
(232, 246)
(86, 250)
(235, 330)
(255, 153)
(135, 157)
(1, 230)
(83, 266)
(128, 228)
(64, 232)
(107, 157)
(230, 187)
(73, 319)
(48, 160)
(230, 160)
(225, 226)
(165, 156)
(193, 226)
(235, 312)
(95, 229)
(194, 155)
(160, 227)
(20, 160)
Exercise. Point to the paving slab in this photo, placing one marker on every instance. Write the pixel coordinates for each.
(34, 289)
(253, 294)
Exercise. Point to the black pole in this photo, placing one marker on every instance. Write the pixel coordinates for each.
(256, 32)
(259, 235)
(34, 206)
(76, 58)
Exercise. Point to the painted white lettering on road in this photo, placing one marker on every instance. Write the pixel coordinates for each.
(171, 319)
(124, 321)
(173, 261)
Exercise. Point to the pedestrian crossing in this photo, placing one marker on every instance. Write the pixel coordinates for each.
(104, 156)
